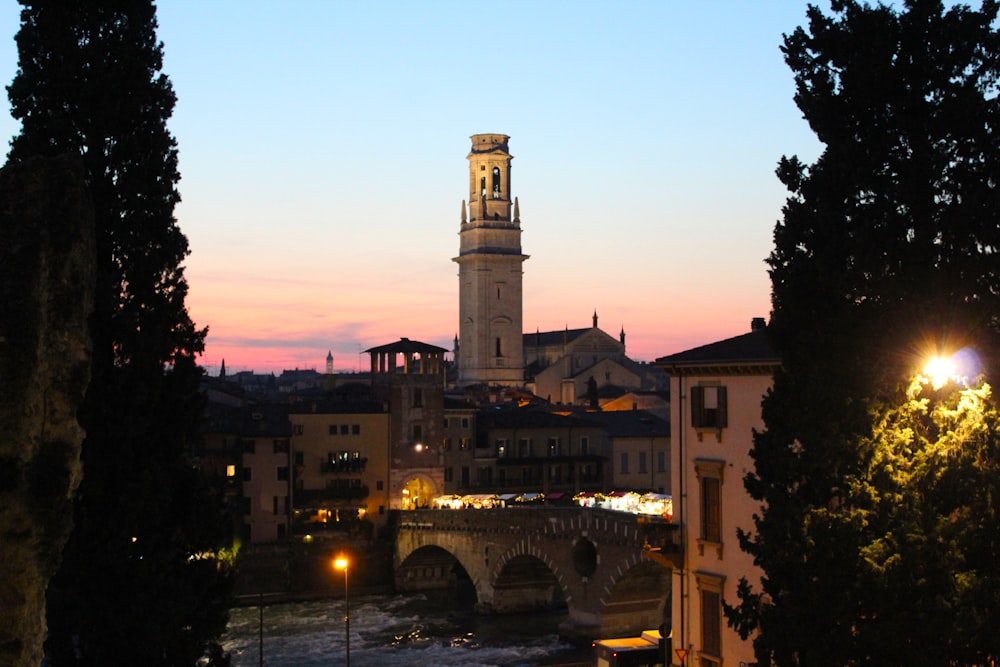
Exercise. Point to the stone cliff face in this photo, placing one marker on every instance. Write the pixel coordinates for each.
(47, 265)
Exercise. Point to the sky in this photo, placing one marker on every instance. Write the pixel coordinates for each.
(323, 150)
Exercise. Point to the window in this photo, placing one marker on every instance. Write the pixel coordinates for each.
(710, 596)
(446, 443)
(230, 471)
(465, 422)
(584, 445)
(378, 485)
(708, 406)
(355, 429)
(496, 182)
(280, 446)
(418, 397)
(333, 429)
(418, 431)
(642, 462)
(298, 429)
(661, 462)
(249, 446)
(282, 473)
(524, 447)
(299, 458)
(463, 443)
(465, 477)
(710, 486)
(247, 474)
(555, 446)
(498, 348)
(448, 475)
(624, 463)
(501, 447)
(343, 429)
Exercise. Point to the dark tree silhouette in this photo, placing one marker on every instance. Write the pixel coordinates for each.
(874, 541)
(139, 583)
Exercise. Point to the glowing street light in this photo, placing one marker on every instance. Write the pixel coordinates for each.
(939, 371)
(341, 563)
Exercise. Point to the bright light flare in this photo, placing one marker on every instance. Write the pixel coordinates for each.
(963, 368)
(341, 563)
(939, 371)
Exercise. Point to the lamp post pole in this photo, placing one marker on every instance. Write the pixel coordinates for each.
(341, 564)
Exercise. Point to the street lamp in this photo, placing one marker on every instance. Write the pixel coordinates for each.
(341, 563)
(939, 370)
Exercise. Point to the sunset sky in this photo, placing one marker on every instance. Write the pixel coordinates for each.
(323, 145)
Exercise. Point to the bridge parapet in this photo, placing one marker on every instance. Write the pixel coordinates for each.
(553, 522)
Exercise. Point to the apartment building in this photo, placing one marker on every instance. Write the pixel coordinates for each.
(717, 391)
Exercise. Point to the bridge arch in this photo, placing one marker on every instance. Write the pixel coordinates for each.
(526, 578)
(611, 570)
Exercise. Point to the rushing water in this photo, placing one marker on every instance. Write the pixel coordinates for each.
(402, 631)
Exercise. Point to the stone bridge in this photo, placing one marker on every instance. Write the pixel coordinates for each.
(611, 570)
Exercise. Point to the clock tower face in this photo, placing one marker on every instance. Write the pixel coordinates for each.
(491, 349)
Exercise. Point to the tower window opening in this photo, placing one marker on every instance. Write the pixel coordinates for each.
(496, 182)
(498, 347)
(482, 185)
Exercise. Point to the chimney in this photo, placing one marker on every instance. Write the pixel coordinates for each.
(758, 324)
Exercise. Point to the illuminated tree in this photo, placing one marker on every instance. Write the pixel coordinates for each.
(134, 587)
(873, 542)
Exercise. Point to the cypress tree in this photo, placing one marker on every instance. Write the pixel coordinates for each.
(879, 492)
(138, 584)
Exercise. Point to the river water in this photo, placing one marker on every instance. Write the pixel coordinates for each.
(415, 630)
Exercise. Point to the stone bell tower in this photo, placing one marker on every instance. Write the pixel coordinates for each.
(490, 343)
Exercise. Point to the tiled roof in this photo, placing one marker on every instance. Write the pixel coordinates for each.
(749, 348)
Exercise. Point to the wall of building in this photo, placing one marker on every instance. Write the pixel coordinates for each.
(711, 563)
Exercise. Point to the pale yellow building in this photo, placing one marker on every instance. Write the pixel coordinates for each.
(716, 392)
(340, 466)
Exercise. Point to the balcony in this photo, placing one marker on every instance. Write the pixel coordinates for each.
(337, 465)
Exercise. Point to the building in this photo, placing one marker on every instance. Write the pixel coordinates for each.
(409, 377)
(491, 349)
(584, 366)
(717, 391)
(340, 464)
(639, 443)
(489, 271)
(265, 473)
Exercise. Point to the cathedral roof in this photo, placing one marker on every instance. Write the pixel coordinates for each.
(558, 337)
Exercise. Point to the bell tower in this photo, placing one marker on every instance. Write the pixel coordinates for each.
(491, 347)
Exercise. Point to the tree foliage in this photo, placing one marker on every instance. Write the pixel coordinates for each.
(133, 588)
(873, 540)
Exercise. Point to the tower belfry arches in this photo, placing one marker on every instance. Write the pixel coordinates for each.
(491, 347)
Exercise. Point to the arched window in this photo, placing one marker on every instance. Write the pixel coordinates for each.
(496, 182)
(482, 185)
(498, 347)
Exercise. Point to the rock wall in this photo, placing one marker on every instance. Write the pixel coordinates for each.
(47, 267)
